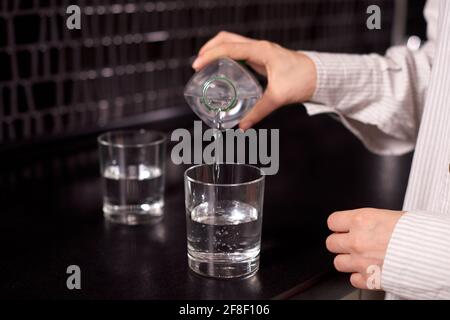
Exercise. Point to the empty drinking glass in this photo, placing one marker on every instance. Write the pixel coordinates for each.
(132, 165)
(224, 206)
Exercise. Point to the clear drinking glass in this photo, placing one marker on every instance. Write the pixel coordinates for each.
(132, 165)
(224, 206)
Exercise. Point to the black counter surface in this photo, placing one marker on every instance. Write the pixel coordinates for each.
(51, 218)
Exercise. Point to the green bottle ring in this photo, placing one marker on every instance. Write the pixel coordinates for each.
(206, 86)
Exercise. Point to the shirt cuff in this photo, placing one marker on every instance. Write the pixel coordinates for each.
(417, 261)
(323, 84)
(338, 74)
(319, 102)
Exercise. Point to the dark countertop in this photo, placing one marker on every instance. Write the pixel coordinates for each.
(51, 218)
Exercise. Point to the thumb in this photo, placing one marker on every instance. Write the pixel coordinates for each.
(262, 108)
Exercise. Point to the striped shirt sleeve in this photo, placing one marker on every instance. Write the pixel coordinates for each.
(417, 262)
(379, 98)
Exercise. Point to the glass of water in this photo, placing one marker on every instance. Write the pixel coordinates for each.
(132, 165)
(224, 206)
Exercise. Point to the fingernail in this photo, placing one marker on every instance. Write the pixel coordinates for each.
(196, 63)
(245, 125)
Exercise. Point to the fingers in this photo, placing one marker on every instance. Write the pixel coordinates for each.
(344, 263)
(262, 108)
(338, 243)
(234, 50)
(223, 37)
(358, 281)
(340, 221)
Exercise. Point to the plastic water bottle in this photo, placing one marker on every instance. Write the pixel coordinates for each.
(222, 93)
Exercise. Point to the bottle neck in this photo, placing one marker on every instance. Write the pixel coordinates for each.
(219, 94)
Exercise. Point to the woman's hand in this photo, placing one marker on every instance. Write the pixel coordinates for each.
(291, 75)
